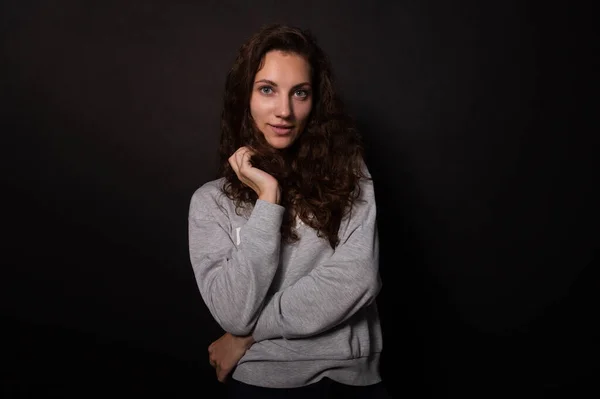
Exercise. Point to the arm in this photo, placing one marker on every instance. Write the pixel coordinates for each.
(333, 291)
(329, 295)
(234, 280)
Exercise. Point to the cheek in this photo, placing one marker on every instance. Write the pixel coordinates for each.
(303, 110)
(258, 108)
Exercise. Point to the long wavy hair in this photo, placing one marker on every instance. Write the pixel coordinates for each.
(319, 174)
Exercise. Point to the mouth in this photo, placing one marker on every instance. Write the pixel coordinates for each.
(281, 130)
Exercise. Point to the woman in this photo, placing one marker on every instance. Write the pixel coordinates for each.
(284, 243)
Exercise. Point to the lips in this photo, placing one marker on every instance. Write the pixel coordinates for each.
(281, 129)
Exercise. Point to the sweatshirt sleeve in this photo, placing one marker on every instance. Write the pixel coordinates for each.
(233, 279)
(333, 291)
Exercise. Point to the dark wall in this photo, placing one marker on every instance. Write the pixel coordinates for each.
(478, 136)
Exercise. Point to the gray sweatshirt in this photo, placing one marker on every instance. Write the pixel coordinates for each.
(311, 309)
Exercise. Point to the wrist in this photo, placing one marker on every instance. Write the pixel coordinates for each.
(248, 341)
(270, 195)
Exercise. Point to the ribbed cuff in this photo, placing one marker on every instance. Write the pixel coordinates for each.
(266, 216)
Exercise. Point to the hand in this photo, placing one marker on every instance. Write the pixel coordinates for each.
(265, 185)
(226, 352)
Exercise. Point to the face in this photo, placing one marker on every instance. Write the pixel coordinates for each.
(281, 98)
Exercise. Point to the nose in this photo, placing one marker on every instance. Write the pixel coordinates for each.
(284, 108)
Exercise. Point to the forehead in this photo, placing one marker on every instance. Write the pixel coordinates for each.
(284, 67)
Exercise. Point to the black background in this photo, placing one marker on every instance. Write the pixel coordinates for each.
(477, 122)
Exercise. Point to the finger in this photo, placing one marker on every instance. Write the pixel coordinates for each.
(234, 158)
(248, 150)
(243, 149)
(233, 163)
(237, 172)
(245, 162)
(246, 157)
(239, 158)
(240, 163)
(239, 151)
(221, 376)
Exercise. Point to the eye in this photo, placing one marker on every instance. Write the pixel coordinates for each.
(301, 93)
(266, 89)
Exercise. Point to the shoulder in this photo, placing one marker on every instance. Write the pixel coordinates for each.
(365, 185)
(209, 197)
(364, 205)
(364, 169)
(210, 188)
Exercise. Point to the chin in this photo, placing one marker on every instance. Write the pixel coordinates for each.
(281, 143)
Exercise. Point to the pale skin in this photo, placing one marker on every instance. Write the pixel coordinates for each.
(280, 105)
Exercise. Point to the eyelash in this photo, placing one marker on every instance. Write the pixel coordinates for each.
(302, 97)
(303, 91)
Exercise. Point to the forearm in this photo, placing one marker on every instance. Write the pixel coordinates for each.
(296, 314)
(234, 279)
(336, 288)
(328, 296)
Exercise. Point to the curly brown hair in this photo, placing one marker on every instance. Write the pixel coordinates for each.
(319, 174)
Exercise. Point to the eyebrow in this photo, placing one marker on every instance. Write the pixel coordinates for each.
(275, 84)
